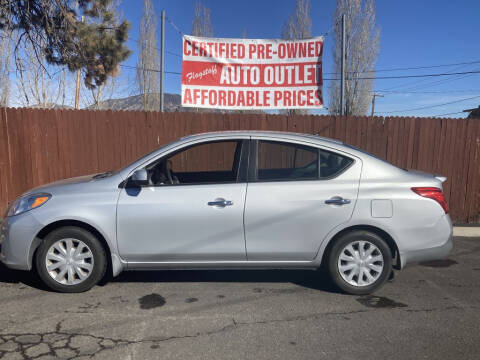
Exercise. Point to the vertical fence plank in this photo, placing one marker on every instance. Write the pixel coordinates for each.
(462, 147)
(19, 146)
(4, 161)
(449, 161)
(472, 195)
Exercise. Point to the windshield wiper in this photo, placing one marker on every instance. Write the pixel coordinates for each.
(103, 175)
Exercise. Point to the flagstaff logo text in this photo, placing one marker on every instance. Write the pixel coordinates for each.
(199, 75)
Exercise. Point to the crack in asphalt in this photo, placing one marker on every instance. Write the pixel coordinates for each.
(58, 343)
(70, 345)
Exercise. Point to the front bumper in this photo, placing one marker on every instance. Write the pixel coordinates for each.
(17, 235)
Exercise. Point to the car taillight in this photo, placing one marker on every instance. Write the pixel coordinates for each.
(434, 194)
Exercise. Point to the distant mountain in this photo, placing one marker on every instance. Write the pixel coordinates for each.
(50, 106)
(135, 102)
(172, 104)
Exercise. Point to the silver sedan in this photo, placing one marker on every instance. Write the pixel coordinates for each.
(233, 200)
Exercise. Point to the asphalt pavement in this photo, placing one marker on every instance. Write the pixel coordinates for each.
(429, 311)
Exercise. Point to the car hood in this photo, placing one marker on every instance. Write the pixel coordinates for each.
(63, 183)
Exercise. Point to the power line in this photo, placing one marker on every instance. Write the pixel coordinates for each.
(332, 27)
(427, 84)
(427, 67)
(410, 68)
(430, 106)
(174, 26)
(362, 72)
(453, 113)
(174, 54)
(406, 76)
(146, 69)
(156, 48)
(415, 84)
(365, 78)
(425, 92)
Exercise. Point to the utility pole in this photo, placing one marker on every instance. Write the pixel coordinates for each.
(162, 60)
(373, 102)
(342, 92)
(77, 87)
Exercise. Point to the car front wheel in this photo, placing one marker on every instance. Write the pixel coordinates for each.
(359, 262)
(71, 259)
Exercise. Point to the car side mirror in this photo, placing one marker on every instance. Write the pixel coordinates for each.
(139, 177)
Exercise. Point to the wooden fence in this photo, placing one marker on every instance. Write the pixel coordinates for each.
(40, 146)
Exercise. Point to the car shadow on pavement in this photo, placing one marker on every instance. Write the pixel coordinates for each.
(29, 278)
(315, 280)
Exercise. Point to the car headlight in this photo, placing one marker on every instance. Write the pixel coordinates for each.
(28, 202)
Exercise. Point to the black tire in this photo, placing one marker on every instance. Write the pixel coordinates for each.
(99, 257)
(340, 244)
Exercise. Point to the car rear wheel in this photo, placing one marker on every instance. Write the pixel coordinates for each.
(359, 262)
(71, 259)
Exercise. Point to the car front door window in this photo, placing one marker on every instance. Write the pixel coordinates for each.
(206, 163)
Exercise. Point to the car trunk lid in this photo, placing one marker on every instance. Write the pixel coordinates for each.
(441, 178)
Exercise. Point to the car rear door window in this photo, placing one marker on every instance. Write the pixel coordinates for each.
(280, 161)
(332, 164)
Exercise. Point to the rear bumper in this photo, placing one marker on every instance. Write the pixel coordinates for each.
(441, 244)
(435, 253)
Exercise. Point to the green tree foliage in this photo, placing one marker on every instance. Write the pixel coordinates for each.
(55, 31)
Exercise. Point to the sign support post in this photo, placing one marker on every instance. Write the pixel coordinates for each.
(162, 60)
(342, 92)
(373, 102)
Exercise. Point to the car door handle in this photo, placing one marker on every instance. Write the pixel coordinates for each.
(220, 202)
(337, 200)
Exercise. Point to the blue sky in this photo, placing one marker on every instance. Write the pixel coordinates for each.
(413, 33)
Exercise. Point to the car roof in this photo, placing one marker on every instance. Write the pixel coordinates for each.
(286, 135)
(280, 134)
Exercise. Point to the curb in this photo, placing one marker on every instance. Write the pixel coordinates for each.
(466, 231)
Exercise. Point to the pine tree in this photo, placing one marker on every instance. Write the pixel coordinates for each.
(55, 31)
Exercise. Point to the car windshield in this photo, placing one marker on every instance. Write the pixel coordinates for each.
(141, 159)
